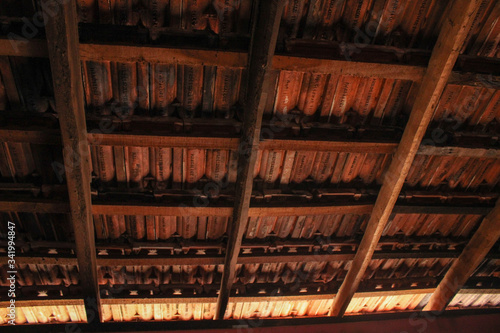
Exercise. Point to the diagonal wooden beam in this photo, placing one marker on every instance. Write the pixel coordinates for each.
(265, 35)
(473, 254)
(443, 58)
(62, 41)
(15, 102)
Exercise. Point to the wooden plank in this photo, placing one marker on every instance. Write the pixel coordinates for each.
(366, 68)
(441, 209)
(311, 210)
(34, 206)
(162, 141)
(160, 210)
(276, 257)
(173, 300)
(473, 254)
(62, 41)
(58, 207)
(159, 260)
(122, 53)
(343, 67)
(9, 82)
(38, 135)
(263, 44)
(337, 146)
(443, 58)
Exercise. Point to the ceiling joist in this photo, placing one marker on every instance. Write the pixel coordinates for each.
(62, 41)
(52, 137)
(263, 44)
(443, 58)
(58, 207)
(473, 254)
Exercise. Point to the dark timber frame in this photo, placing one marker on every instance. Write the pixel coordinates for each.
(64, 51)
(63, 48)
(265, 35)
(443, 58)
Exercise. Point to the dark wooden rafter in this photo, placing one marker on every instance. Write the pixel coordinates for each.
(58, 207)
(297, 59)
(263, 44)
(277, 257)
(443, 58)
(9, 82)
(63, 50)
(52, 137)
(473, 254)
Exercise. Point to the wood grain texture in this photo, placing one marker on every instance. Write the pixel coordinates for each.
(473, 254)
(263, 44)
(103, 52)
(235, 59)
(55, 207)
(38, 135)
(62, 41)
(343, 67)
(443, 58)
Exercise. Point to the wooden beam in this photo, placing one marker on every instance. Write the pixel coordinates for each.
(120, 53)
(343, 67)
(312, 210)
(473, 254)
(337, 146)
(276, 257)
(39, 206)
(58, 207)
(318, 62)
(112, 261)
(118, 139)
(9, 82)
(38, 135)
(443, 58)
(160, 210)
(159, 300)
(62, 41)
(263, 44)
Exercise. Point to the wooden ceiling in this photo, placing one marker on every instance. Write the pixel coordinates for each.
(178, 160)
